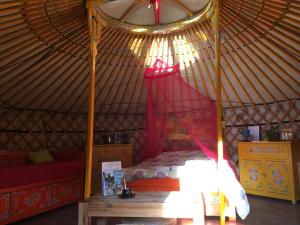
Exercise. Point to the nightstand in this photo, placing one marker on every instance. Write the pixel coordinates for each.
(108, 153)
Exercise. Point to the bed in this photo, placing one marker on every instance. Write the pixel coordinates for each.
(174, 171)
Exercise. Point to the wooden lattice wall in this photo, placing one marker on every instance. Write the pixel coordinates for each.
(37, 130)
(29, 130)
(285, 114)
(33, 130)
(131, 123)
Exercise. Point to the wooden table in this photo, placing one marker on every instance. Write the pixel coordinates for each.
(144, 204)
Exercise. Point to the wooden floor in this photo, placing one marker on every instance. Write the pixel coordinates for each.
(264, 211)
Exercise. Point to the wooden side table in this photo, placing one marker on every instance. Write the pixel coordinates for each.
(144, 204)
(107, 153)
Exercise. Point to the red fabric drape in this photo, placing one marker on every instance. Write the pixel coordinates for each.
(156, 4)
(170, 99)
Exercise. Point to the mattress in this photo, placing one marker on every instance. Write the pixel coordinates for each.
(167, 164)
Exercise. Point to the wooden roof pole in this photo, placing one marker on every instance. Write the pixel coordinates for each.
(95, 34)
(219, 103)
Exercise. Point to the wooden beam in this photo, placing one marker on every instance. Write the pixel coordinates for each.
(95, 33)
(99, 2)
(209, 52)
(210, 45)
(116, 81)
(121, 43)
(109, 34)
(184, 7)
(129, 9)
(219, 104)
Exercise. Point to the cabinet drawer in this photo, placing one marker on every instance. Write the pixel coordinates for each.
(4, 206)
(66, 191)
(31, 200)
(264, 150)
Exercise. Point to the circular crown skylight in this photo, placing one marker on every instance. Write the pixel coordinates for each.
(153, 16)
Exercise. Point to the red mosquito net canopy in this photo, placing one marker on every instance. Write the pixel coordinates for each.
(176, 113)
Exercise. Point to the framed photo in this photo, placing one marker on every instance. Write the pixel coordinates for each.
(254, 133)
(286, 134)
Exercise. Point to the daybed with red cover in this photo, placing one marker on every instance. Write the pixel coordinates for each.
(28, 189)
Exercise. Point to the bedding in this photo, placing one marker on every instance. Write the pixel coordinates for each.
(196, 173)
(167, 164)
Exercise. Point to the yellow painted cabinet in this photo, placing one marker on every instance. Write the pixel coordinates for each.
(270, 169)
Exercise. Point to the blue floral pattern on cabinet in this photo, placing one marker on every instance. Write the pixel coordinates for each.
(254, 179)
(253, 174)
(277, 177)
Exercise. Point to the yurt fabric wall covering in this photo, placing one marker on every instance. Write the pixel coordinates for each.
(44, 69)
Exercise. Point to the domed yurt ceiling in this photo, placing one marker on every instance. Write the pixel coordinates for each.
(45, 49)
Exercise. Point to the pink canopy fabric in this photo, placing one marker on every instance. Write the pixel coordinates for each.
(176, 108)
(156, 4)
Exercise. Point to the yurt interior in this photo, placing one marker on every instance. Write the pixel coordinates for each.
(150, 112)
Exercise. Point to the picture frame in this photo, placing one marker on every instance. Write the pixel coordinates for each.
(286, 134)
(254, 133)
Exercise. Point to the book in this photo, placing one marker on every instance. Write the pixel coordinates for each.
(108, 177)
(118, 181)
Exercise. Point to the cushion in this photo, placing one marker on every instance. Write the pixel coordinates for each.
(41, 156)
(31, 173)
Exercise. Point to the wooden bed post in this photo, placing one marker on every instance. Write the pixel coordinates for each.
(219, 102)
(95, 34)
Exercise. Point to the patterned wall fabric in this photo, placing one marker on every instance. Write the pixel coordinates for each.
(37, 130)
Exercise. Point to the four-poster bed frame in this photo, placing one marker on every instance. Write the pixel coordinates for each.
(95, 28)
